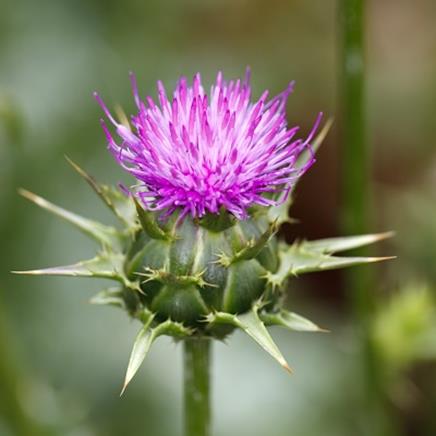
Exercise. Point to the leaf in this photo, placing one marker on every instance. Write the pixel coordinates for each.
(145, 339)
(121, 205)
(106, 235)
(290, 320)
(301, 258)
(251, 324)
(334, 245)
(101, 266)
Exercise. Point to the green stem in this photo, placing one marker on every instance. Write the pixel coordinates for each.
(355, 152)
(196, 384)
(356, 197)
(355, 186)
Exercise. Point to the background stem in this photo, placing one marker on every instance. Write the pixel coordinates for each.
(354, 153)
(196, 386)
(356, 200)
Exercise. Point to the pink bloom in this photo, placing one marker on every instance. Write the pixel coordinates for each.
(200, 152)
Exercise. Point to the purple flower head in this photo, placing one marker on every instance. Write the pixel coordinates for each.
(201, 152)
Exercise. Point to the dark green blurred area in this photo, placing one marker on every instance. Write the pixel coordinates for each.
(62, 361)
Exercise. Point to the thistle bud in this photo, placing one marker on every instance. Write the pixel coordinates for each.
(196, 252)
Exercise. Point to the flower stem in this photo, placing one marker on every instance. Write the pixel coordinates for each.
(196, 385)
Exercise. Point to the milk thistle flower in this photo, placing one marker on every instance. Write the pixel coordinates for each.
(196, 254)
(202, 152)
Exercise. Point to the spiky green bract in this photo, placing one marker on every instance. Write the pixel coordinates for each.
(198, 277)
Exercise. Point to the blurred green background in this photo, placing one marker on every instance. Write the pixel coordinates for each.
(62, 360)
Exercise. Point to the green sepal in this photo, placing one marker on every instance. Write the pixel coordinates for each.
(218, 222)
(145, 339)
(111, 297)
(336, 245)
(121, 205)
(251, 324)
(304, 257)
(165, 277)
(99, 266)
(106, 235)
(105, 265)
(251, 249)
(182, 304)
(280, 213)
(290, 320)
(149, 224)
